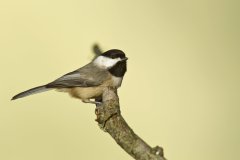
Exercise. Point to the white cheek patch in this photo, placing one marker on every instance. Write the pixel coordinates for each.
(105, 62)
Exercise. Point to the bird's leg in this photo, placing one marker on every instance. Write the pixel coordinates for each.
(98, 100)
(93, 102)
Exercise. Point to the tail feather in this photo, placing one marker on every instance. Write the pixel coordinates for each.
(32, 91)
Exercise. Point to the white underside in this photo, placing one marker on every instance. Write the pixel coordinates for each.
(117, 81)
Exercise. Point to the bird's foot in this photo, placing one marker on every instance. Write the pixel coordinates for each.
(93, 102)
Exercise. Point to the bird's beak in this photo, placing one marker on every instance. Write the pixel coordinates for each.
(124, 59)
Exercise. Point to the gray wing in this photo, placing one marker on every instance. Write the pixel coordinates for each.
(87, 76)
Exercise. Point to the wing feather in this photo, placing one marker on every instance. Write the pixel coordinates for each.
(87, 76)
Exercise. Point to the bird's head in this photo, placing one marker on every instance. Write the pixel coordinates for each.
(114, 61)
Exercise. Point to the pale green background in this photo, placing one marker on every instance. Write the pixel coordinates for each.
(181, 91)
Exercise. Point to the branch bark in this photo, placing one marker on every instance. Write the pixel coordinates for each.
(96, 50)
(109, 119)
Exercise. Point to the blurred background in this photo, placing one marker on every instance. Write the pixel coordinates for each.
(181, 90)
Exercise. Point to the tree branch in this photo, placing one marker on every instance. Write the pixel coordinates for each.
(96, 50)
(109, 119)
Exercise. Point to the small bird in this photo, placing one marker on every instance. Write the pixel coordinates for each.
(89, 81)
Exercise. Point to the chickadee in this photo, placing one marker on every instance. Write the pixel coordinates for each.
(88, 82)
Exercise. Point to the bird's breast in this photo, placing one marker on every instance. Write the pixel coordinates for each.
(116, 81)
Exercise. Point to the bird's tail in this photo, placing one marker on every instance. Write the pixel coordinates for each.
(35, 90)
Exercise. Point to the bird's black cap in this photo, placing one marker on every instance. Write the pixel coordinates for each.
(114, 53)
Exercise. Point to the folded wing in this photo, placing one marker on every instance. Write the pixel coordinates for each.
(87, 76)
